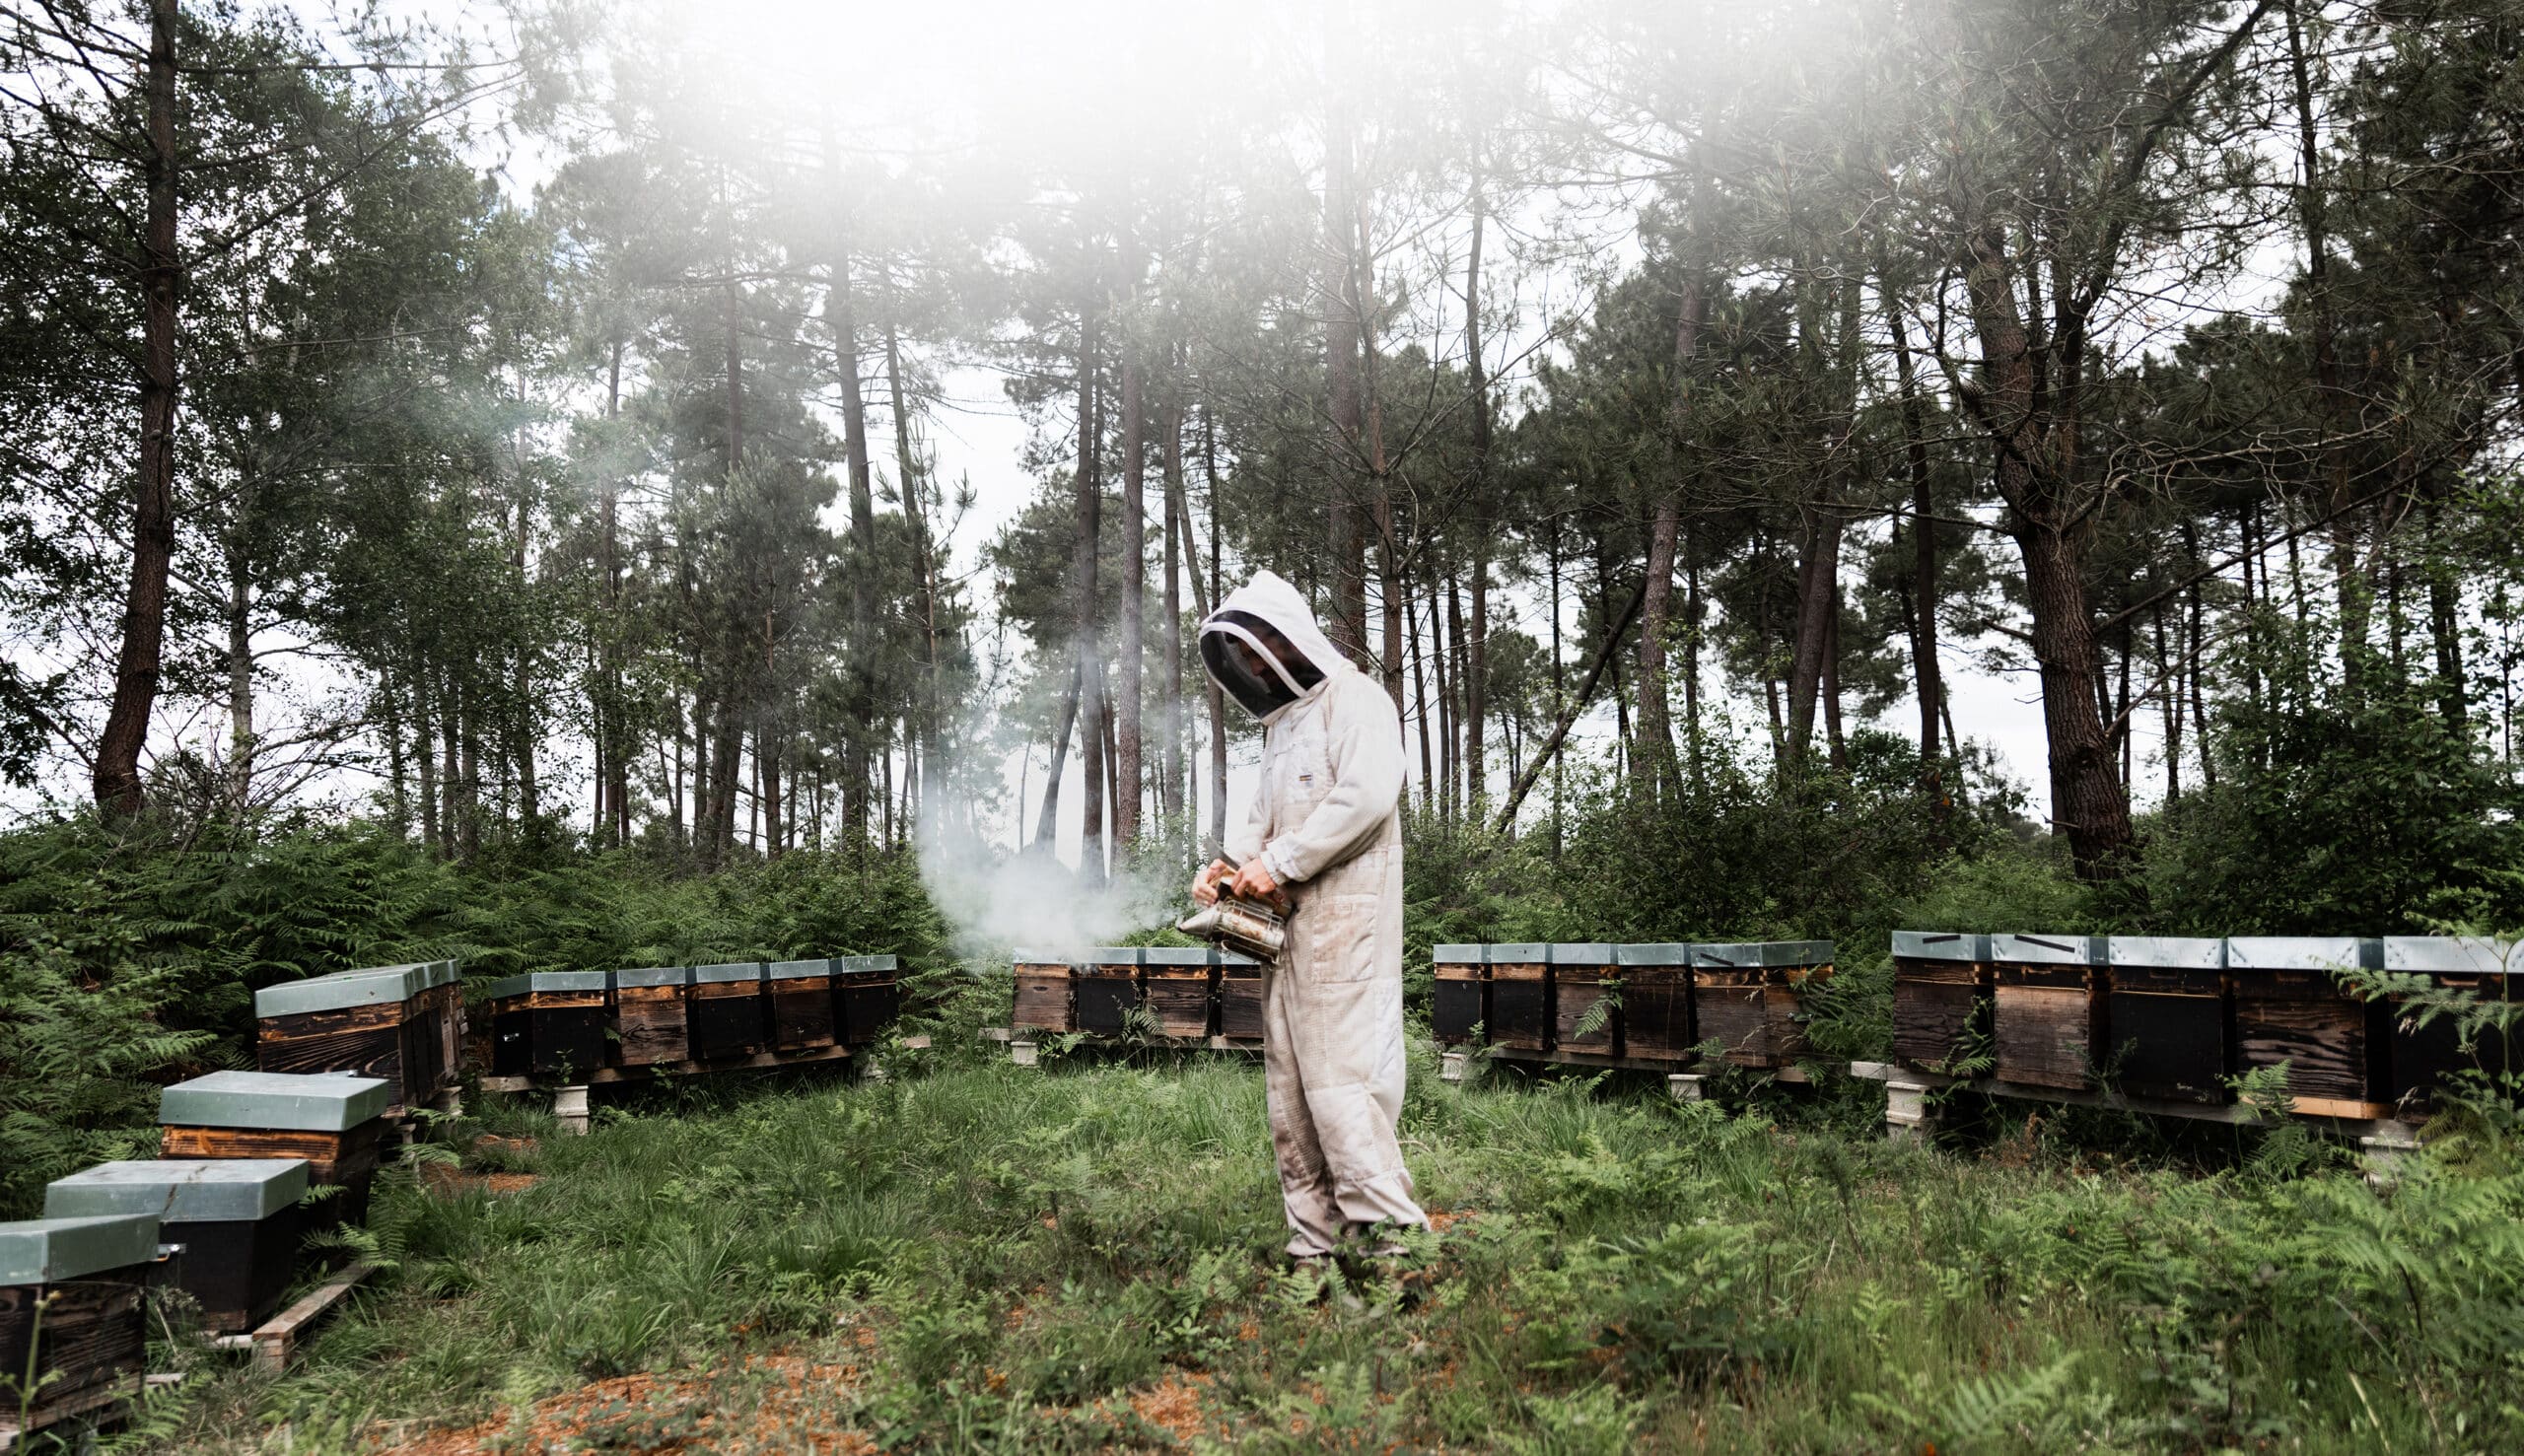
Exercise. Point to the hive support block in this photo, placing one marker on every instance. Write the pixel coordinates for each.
(1023, 1052)
(2384, 1148)
(1450, 1066)
(1907, 1117)
(570, 1109)
(1687, 1087)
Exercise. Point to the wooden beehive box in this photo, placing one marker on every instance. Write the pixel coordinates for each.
(349, 1021)
(1586, 1007)
(651, 1015)
(1042, 993)
(236, 1218)
(2171, 1024)
(1748, 996)
(1108, 989)
(1176, 988)
(433, 1028)
(1521, 996)
(2048, 1013)
(1657, 1002)
(1239, 997)
(1941, 998)
(335, 1121)
(726, 1010)
(2427, 1056)
(870, 996)
(73, 1312)
(569, 1017)
(2289, 1006)
(806, 1007)
(512, 1034)
(1458, 1008)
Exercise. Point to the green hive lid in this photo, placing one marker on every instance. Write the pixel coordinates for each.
(1519, 953)
(1940, 946)
(868, 965)
(436, 973)
(2300, 952)
(1744, 954)
(1110, 955)
(2466, 955)
(727, 973)
(1459, 955)
(1661, 954)
(280, 1101)
(1581, 953)
(653, 976)
(2062, 950)
(182, 1190)
(1036, 956)
(799, 970)
(339, 992)
(1237, 960)
(571, 981)
(40, 1251)
(2166, 952)
(1175, 956)
(509, 985)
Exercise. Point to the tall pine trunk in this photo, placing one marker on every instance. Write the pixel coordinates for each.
(1091, 667)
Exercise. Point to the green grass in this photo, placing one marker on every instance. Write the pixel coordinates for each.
(985, 1256)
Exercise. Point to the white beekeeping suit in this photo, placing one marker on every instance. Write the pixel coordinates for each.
(1326, 829)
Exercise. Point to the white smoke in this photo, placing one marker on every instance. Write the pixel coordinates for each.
(997, 901)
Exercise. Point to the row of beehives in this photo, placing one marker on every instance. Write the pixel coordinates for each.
(2176, 1017)
(563, 1023)
(1651, 1003)
(403, 1025)
(222, 1216)
(1178, 992)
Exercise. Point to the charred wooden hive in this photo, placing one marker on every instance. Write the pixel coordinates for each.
(1239, 997)
(1042, 993)
(350, 1021)
(1657, 1002)
(806, 1009)
(72, 1309)
(2290, 1006)
(2171, 1024)
(2050, 1010)
(335, 1121)
(726, 1010)
(2430, 1050)
(1585, 1003)
(433, 1029)
(1176, 988)
(236, 1218)
(1459, 1010)
(1108, 989)
(1521, 996)
(651, 1018)
(870, 996)
(1748, 996)
(1941, 999)
(551, 1024)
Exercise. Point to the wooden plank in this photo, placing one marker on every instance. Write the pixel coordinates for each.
(2045, 1034)
(604, 1076)
(273, 1340)
(62, 1408)
(1788, 1074)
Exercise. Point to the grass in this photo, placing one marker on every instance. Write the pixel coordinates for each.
(985, 1258)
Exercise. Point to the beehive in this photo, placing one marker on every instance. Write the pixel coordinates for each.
(72, 1308)
(349, 1021)
(332, 1119)
(1175, 986)
(1108, 989)
(238, 1219)
(1586, 1012)
(1941, 999)
(1657, 1002)
(2048, 1012)
(433, 1028)
(2289, 1006)
(726, 1010)
(651, 1015)
(1460, 1003)
(1748, 996)
(1042, 993)
(551, 1024)
(806, 1008)
(2427, 1056)
(1239, 996)
(1521, 996)
(868, 993)
(2171, 1024)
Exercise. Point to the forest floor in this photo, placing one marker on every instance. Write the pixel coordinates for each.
(1086, 1257)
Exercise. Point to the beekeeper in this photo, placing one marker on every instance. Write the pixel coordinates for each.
(1324, 837)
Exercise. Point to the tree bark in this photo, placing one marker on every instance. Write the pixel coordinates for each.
(841, 315)
(1170, 467)
(1128, 780)
(1928, 676)
(1090, 669)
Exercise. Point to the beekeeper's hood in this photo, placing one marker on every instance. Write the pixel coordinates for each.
(1262, 645)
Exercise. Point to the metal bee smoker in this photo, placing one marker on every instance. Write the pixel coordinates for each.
(1233, 923)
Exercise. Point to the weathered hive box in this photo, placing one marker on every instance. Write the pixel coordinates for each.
(89, 1277)
(1586, 1009)
(551, 1024)
(2049, 1010)
(1657, 1002)
(2289, 1006)
(1942, 988)
(651, 1015)
(349, 1021)
(1042, 993)
(1175, 986)
(238, 1219)
(726, 1009)
(1460, 1005)
(1108, 989)
(806, 1011)
(434, 1027)
(1239, 997)
(1748, 996)
(870, 997)
(2426, 1058)
(332, 1119)
(1521, 996)
(2171, 1024)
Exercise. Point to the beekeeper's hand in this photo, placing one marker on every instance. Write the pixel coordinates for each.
(1253, 883)
(1204, 885)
